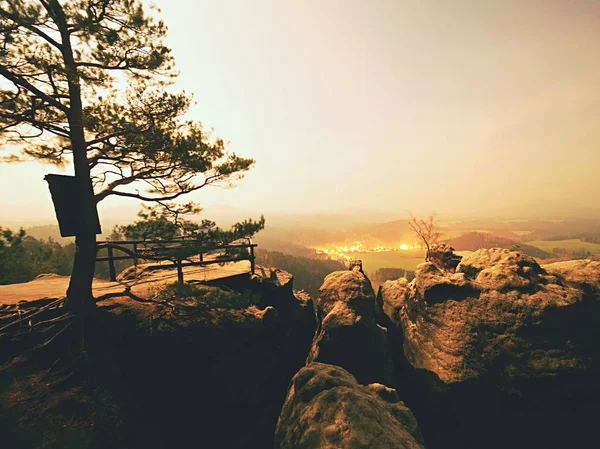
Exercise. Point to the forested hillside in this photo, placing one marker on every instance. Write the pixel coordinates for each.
(23, 257)
(308, 273)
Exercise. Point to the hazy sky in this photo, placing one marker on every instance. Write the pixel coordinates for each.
(393, 105)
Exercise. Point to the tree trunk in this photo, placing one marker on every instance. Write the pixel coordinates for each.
(79, 293)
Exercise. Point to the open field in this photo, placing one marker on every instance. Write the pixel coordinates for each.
(568, 245)
(372, 261)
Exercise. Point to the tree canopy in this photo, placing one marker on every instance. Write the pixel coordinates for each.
(166, 222)
(137, 136)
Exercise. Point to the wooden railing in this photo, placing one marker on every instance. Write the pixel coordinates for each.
(166, 250)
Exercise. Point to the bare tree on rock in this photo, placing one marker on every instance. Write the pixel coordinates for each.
(426, 231)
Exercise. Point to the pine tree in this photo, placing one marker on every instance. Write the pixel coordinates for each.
(62, 65)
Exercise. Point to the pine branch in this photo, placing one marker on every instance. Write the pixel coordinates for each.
(22, 82)
(19, 21)
(105, 193)
(22, 118)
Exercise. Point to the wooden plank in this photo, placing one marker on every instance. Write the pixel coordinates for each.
(111, 264)
(211, 262)
(105, 259)
(167, 242)
(167, 259)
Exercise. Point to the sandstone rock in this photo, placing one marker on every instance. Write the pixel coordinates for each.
(494, 307)
(355, 264)
(502, 270)
(508, 345)
(351, 329)
(326, 408)
(391, 297)
(583, 274)
(442, 255)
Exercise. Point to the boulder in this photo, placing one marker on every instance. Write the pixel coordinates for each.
(326, 408)
(351, 330)
(502, 345)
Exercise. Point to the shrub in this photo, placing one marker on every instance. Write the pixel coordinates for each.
(212, 297)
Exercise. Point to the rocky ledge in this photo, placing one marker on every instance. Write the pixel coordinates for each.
(213, 375)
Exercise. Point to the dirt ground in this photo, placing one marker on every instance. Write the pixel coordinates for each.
(55, 286)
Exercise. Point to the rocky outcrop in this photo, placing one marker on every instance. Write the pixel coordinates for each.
(326, 405)
(215, 376)
(351, 329)
(502, 345)
(442, 255)
(498, 305)
(580, 274)
(326, 408)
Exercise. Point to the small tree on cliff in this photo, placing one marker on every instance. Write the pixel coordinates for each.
(166, 221)
(62, 64)
(426, 231)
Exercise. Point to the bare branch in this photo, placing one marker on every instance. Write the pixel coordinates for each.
(426, 232)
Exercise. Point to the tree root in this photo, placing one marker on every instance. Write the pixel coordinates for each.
(49, 341)
(63, 317)
(127, 292)
(26, 317)
(49, 369)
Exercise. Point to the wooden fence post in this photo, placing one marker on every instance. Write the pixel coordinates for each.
(111, 265)
(252, 259)
(179, 272)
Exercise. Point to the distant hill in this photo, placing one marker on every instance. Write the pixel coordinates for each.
(388, 233)
(283, 246)
(45, 232)
(300, 234)
(564, 230)
(472, 241)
